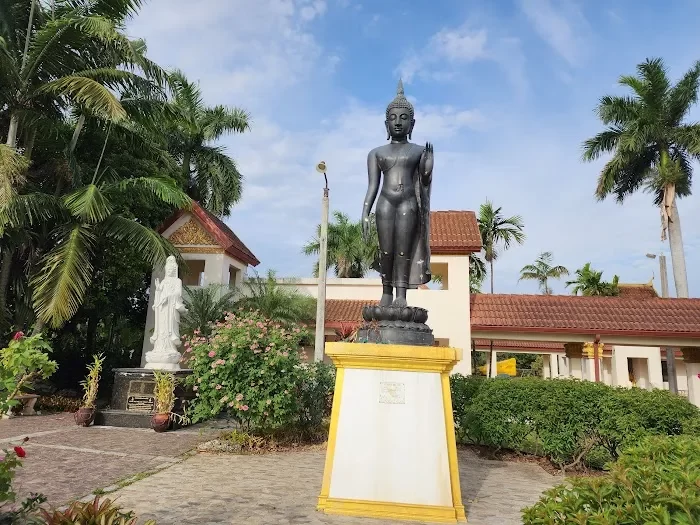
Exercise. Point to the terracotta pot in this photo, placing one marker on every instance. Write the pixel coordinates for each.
(85, 416)
(160, 422)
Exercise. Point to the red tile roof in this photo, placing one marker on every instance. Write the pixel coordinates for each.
(454, 233)
(638, 291)
(222, 234)
(344, 311)
(594, 315)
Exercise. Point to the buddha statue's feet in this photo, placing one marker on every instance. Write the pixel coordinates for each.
(400, 302)
(386, 299)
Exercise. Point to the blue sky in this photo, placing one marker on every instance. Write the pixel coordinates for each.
(504, 89)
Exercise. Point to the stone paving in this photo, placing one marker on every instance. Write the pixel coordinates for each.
(67, 462)
(282, 489)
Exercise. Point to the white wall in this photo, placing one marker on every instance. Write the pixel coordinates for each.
(647, 372)
(448, 310)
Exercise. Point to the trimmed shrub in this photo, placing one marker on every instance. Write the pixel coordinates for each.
(464, 388)
(656, 481)
(566, 420)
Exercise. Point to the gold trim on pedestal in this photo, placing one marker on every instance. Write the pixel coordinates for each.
(405, 358)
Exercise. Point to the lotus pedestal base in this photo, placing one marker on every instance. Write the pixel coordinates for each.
(391, 448)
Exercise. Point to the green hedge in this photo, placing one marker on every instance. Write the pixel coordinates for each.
(565, 420)
(656, 481)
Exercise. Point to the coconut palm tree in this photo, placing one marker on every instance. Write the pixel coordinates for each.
(543, 270)
(590, 282)
(210, 176)
(477, 273)
(652, 147)
(497, 230)
(348, 253)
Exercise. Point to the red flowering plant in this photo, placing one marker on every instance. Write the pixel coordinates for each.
(24, 360)
(10, 460)
(249, 367)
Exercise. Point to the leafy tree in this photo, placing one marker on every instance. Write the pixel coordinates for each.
(276, 302)
(210, 176)
(590, 282)
(348, 253)
(652, 147)
(497, 230)
(543, 270)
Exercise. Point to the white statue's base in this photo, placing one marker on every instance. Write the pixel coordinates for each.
(163, 360)
(391, 449)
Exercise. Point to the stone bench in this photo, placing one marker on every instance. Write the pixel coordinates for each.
(28, 401)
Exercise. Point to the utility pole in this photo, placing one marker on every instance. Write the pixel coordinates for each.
(670, 352)
(319, 346)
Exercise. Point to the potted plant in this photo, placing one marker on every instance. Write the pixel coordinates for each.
(86, 413)
(164, 393)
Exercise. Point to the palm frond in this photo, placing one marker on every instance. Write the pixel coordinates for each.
(154, 249)
(89, 93)
(219, 120)
(13, 170)
(683, 95)
(26, 210)
(163, 188)
(88, 204)
(64, 275)
(603, 142)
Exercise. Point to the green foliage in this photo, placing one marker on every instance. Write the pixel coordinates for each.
(277, 303)
(315, 395)
(56, 403)
(543, 270)
(590, 282)
(348, 253)
(205, 306)
(498, 232)
(464, 389)
(95, 512)
(92, 381)
(164, 391)
(477, 273)
(567, 419)
(24, 360)
(10, 462)
(249, 367)
(655, 481)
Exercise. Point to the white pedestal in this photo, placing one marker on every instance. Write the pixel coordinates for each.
(391, 449)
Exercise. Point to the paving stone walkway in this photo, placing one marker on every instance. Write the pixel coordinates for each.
(67, 462)
(283, 488)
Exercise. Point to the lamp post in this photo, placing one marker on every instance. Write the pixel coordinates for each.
(670, 352)
(322, 271)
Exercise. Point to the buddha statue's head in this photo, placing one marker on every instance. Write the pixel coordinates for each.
(399, 116)
(170, 267)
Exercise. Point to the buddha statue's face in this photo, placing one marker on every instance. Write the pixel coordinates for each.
(171, 267)
(399, 123)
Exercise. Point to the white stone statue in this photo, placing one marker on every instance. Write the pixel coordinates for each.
(168, 306)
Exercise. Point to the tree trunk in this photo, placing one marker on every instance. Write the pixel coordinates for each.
(491, 263)
(675, 240)
(186, 159)
(5, 270)
(31, 138)
(12, 131)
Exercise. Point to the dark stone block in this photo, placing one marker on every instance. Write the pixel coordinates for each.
(133, 401)
(395, 325)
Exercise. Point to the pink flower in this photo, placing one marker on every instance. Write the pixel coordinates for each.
(188, 350)
(19, 335)
(285, 354)
(230, 404)
(197, 332)
(244, 408)
(195, 387)
(212, 353)
(268, 401)
(265, 413)
(218, 387)
(698, 376)
(239, 397)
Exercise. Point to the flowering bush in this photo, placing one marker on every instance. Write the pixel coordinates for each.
(9, 462)
(24, 360)
(249, 367)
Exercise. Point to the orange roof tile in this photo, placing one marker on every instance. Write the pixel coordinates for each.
(222, 234)
(454, 232)
(594, 315)
(344, 311)
(638, 291)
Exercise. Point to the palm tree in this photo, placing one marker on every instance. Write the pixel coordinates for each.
(206, 305)
(652, 147)
(496, 230)
(210, 176)
(590, 282)
(542, 271)
(276, 302)
(348, 253)
(477, 273)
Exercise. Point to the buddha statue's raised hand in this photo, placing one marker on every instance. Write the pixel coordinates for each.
(426, 160)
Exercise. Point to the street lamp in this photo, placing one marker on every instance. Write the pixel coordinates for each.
(320, 341)
(670, 353)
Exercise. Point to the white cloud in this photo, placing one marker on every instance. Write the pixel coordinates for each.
(452, 48)
(561, 26)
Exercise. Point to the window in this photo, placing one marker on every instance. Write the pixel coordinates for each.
(232, 275)
(194, 273)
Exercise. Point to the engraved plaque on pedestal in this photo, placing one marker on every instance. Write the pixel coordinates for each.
(392, 393)
(140, 397)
